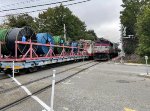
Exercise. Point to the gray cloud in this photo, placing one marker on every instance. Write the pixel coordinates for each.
(102, 16)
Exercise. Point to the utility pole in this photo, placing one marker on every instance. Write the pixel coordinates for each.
(65, 32)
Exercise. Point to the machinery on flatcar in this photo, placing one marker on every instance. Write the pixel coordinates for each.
(104, 49)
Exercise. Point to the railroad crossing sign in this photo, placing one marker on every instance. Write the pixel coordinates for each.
(123, 28)
(124, 31)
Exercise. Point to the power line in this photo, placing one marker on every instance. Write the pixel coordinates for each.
(77, 3)
(22, 2)
(36, 6)
(46, 9)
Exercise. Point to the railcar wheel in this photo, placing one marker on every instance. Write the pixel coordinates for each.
(32, 69)
(7, 71)
(23, 71)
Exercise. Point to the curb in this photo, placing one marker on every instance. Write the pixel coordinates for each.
(144, 75)
(133, 64)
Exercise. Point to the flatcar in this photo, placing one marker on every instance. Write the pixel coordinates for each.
(30, 51)
(104, 49)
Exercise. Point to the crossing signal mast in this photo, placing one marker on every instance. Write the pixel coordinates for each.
(124, 36)
(123, 33)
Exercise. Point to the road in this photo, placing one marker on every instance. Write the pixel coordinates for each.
(103, 87)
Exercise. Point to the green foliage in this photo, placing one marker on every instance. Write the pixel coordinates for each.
(129, 15)
(131, 9)
(143, 31)
(20, 21)
(90, 35)
(53, 21)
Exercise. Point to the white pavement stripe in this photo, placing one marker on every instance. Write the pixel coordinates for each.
(26, 90)
(29, 93)
(16, 81)
(42, 103)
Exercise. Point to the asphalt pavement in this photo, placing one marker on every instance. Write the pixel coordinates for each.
(104, 87)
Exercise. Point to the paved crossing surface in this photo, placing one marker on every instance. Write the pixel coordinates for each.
(103, 87)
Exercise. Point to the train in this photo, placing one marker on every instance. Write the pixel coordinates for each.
(31, 51)
(105, 49)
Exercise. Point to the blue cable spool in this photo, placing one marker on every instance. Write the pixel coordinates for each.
(74, 44)
(44, 38)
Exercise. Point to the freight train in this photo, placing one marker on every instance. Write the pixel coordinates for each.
(104, 49)
(32, 51)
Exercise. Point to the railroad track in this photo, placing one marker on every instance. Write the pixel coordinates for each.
(3, 108)
(47, 67)
(45, 77)
(3, 76)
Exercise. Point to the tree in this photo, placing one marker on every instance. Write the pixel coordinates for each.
(53, 21)
(129, 16)
(129, 19)
(143, 31)
(20, 21)
(90, 35)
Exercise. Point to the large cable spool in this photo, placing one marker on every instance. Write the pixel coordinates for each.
(16, 34)
(44, 38)
(75, 45)
(3, 35)
(57, 41)
(68, 50)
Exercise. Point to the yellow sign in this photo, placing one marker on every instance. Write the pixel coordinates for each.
(127, 109)
(16, 67)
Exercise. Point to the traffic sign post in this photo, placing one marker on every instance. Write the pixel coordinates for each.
(146, 59)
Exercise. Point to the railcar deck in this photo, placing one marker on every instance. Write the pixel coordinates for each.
(31, 59)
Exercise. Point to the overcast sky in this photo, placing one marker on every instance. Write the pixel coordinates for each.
(100, 15)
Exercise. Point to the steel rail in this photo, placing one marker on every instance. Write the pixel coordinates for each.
(3, 108)
(45, 77)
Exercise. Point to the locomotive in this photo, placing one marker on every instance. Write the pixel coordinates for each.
(105, 49)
